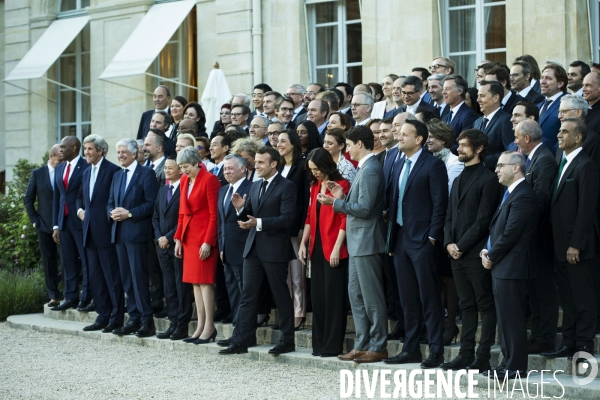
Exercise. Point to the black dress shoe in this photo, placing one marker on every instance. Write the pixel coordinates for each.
(234, 348)
(537, 348)
(147, 329)
(398, 333)
(82, 306)
(110, 327)
(562, 351)
(224, 342)
(586, 349)
(65, 305)
(91, 307)
(283, 348)
(181, 332)
(480, 364)
(190, 340)
(166, 334)
(129, 328)
(433, 361)
(160, 314)
(96, 326)
(405, 357)
(459, 362)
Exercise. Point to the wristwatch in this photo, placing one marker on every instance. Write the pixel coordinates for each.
(129, 215)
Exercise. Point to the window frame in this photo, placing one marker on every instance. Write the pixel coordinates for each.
(595, 29)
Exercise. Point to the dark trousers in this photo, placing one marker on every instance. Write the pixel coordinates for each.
(49, 253)
(330, 302)
(156, 278)
(474, 287)
(392, 287)
(178, 294)
(105, 283)
(221, 296)
(71, 251)
(134, 276)
(578, 301)
(254, 271)
(234, 276)
(511, 303)
(419, 294)
(596, 272)
(543, 301)
(264, 298)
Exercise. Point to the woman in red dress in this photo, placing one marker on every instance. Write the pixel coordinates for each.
(196, 238)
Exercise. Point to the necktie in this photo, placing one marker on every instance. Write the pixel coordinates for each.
(93, 180)
(216, 170)
(450, 114)
(263, 187)
(123, 186)
(227, 201)
(560, 170)
(151, 165)
(485, 122)
(170, 194)
(527, 162)
(545, 107)
(401, 192)
(489, 241)
(66, 185)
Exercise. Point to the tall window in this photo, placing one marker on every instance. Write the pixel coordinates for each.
(595, 18)
(73, 66)
(475, 30)
(335, 42)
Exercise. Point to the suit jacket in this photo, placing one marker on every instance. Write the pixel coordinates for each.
(513, 235)
(512, 102)
(500, 134)
(464, 119)
(445, 111)
(470, 213)
(277, 209)
(591, 147)
(40, 187)
(299, 177)
(231, 237)
(592, 119)
(550, 124)
(165, 216)
(363, 207)
(423, 106)
(537, 87)
(139, 199)
(296, 118)
(534, 97)
(221, 176)
(95, 208)
(424, 204)
(145, 124)
(69, 197)
(574, 209)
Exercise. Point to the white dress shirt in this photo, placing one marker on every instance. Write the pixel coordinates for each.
(569, 158)
(455, 110)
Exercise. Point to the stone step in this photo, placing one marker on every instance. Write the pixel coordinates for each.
(559, 385)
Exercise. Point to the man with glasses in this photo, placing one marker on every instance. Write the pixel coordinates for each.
(311, 92)
(520, 80)
(285, 112)
(239, 116)
(258, 129)
(412, 87)
(296, 93)
(362, 106)
(257, 98)
(273, 131)
(442, 65)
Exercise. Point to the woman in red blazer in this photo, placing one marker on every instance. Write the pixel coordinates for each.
(328, 256)
(196, 238)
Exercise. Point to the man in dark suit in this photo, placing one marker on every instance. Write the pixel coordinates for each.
(543, 296)
(591, 93)
(435, 89)
(41, 187)
(103, 265)
(574, 214)
(219, 148)
(229, 232)
(509, 254)
(284, 109)
(495, 123)
(162, 100)
(474, 198)
(417, 200)
(554, 86)
(268, 213)
(347, 91)
(412, 88)
(258, 95)
(520, 80)
(178, 294)
(500, 74)
(67, 227)
(239, 116)
(133, 193)
(161, 121)
(296, 92)
(461, 117)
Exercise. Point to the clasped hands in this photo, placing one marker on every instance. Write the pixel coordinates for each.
(119, 214)
(335, 189)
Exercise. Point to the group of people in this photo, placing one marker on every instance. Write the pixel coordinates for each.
(418, 199)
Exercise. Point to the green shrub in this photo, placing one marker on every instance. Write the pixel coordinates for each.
(21, 292)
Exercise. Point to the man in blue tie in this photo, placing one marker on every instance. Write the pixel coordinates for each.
(219, 148)
(509, 254)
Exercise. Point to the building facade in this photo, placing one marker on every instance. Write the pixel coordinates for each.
(97, 62)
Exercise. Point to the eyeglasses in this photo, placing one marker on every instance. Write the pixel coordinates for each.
(500, 165)
(236, 114)
(564, 112)
(408, 94)
(436, 66)
(286, 109)
(274, 133)
(355, 105)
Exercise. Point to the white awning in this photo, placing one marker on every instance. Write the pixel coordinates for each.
(48, 48)
(148, 39)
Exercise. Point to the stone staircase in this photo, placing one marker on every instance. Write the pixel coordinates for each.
(558, 380)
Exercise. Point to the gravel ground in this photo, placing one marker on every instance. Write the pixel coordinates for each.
(46, 366)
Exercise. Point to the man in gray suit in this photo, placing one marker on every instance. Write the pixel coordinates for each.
(364, 224)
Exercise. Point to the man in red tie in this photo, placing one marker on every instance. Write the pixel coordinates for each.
(67, 227)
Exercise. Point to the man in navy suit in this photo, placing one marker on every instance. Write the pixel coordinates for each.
(494, 123)
(103, 266)
(510, 98)
(412, 88)
(435, 89)
(417, 200)
(230, 235)
(133, 193)
(41, 186)
(554, 85)
(520, 80)
(162, 100)
(461, 117)
(164, 221)
(67, 227)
